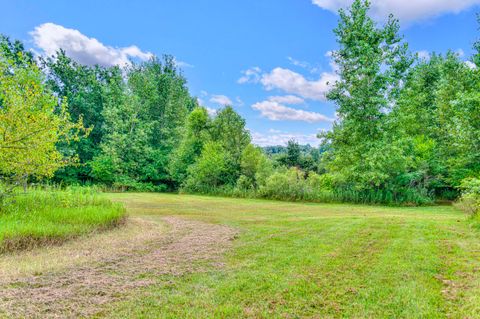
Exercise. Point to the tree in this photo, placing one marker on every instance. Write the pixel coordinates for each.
(145, 120)
(163, 97)
(293, 154)
(438, 116)
(228, 128)
(372, 63)
(211, 171)
(254, 167)
(127, 156)
(31, 124)
(190, 148)
(15, 52)
(83, 87)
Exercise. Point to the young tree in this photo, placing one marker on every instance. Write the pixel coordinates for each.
(255, 167)
(162, 94)
(31, 124)
(293, 156)
(438, 117)
(211, 170)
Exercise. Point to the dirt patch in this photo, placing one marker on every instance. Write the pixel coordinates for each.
(84, 290)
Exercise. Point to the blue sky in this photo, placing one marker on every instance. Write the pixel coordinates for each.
(269, 58)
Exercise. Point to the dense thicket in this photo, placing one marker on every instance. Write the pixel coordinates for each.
(408, 130)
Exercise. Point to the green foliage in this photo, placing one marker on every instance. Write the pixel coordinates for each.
(226, 147)
(213, 169)
(292, 157)
(191, 145)
(15, 52)
(144, 122)
(286, 185)
(470, 199)
(31, 124)
(372, 62)
(407, 132)
(437, 119)
(305, 157)
(255, 167)
(48, 216)
(228, 128)
(83, 88)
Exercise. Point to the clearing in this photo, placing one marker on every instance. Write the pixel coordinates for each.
(176, 258)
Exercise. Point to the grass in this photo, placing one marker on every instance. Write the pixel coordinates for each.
(42, 217)
(299, 260)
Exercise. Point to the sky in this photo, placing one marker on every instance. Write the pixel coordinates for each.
(269, 59)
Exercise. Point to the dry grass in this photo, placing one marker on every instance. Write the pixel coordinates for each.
(107, 269)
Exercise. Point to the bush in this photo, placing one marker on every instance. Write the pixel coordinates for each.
(213, 170)
(470, 200)
(286, 185)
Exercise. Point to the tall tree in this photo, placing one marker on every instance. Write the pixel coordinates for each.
(438, 116)
(161, 92)
(228, 128)
(195, 136)
(82, 86)
(372, 63)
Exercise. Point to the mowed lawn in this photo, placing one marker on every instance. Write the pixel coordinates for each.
(298, 260)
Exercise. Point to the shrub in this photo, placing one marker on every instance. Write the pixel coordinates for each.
(470, 199)
(212, 170)
(286, 185)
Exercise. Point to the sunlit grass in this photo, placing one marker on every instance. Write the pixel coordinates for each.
(294, 260)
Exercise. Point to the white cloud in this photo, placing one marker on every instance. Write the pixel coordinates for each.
(251, 75)
(51, 37)
(470, 64)
(221, 100)
(183, 64)
(274, 131)
(275, 111)
(304, 65)
(424, 55)
(406, 11)
(211, 112)
(276, 137)
(238, 101)
(299, 63)
(295, 83)
(287, 99)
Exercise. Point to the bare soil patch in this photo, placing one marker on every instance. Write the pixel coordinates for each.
(84, 289)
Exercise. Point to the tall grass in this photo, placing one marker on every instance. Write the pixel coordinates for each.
(50, 215)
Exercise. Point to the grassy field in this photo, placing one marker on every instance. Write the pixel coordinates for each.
(293, 260)
(175, 258)
(42, 217)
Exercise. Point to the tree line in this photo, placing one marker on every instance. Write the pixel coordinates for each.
(408, 129)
